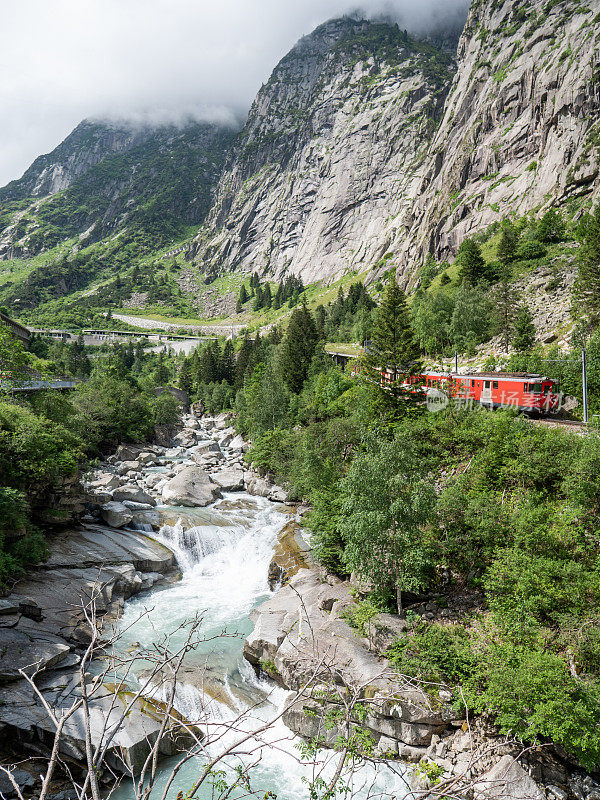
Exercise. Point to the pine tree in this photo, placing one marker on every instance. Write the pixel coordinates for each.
(524, 335)
(298, 348)
(258, 300)
(471, 262)
(243, 296)
(393, 344)
(186, 378)
(587, 287)
(208, 368)
(278, 299)
(267, 297)
(228, 362)
(243, 361)
(507, 246)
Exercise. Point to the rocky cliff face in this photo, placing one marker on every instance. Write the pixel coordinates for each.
(89, 143)
(331, 154)
(107, 178)
(521, 126)
(365, 143)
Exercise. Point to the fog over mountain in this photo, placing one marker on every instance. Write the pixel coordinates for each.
(154, 60)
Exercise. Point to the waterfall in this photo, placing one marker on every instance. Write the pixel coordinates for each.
(224, 562)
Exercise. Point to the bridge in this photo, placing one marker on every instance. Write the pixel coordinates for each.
(38, 385)
(18, 331)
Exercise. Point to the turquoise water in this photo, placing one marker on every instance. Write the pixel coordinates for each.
(224, 554)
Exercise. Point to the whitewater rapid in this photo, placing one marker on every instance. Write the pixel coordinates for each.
(224, 553)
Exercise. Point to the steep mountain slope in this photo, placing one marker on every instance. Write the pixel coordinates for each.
(362, 146)
(330, 156)
(521, 128)
(146, 182)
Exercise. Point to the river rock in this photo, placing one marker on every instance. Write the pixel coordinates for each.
(134, 494)
(238, 444)
(299, 627)
(104, 481)
(506, 779)
(191, 487)
(231, 480)
(23, 780)
(20, 651)
(116, 514)
(258, 486)
(127, 452)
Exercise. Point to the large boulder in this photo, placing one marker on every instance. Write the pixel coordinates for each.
(104, 481)
(258, 486)
(507, 778)
(127, 452)
(238, 444)
(116, 514)
(133, 494)
(191, 487)
(231, 480)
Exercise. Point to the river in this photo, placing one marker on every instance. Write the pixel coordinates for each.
(224, 553)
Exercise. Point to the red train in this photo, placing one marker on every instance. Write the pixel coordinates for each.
(528, 392)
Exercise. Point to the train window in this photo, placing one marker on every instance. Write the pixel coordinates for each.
(495, 384)
(535, 387)
(547, 388)
(472, 383)
(487, 384)
(525, 387)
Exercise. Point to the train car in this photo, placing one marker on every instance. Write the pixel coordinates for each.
(528, 392)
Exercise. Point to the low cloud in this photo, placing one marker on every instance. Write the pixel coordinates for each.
(154, 60)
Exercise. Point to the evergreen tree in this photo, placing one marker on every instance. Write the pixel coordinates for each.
(186, 378)
(505, 301)
(278, 299)
(551, 227)
(298, 348)
(243, 361)
(161, 373)
(228, 362)
(587, 287)
(507, 246)
(471, 262)
(258, 300)
(524, 335)
(267, 297)
(393, 345)
(208, 367)
(243, 296)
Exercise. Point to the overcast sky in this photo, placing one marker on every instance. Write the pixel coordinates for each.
(64, 60)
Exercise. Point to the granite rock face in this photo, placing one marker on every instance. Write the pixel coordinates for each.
(330, 156)
(365, 145)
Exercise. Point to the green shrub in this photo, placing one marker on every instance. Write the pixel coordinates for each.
(531, 250)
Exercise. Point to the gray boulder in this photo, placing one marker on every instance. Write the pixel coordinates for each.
(507, 778)
(231, 480)
(238, 444)
(133, 494)
(116, 514)
(191, 487)
(258, 486)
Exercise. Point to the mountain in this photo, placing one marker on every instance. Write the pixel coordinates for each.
(369, 149)
(521, 127)
(330, 155)
(145, 182)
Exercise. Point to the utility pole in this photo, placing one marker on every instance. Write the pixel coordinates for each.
(585, 386)
(456, 362)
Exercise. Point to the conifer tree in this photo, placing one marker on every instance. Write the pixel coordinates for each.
(186, 378)
(258, 300)
(228, 362)
(243, 361)
(472, 264)
(393, 345)
(298, 348)
(278, 299)
(267, 297)
(524, 335)
(507, 246)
